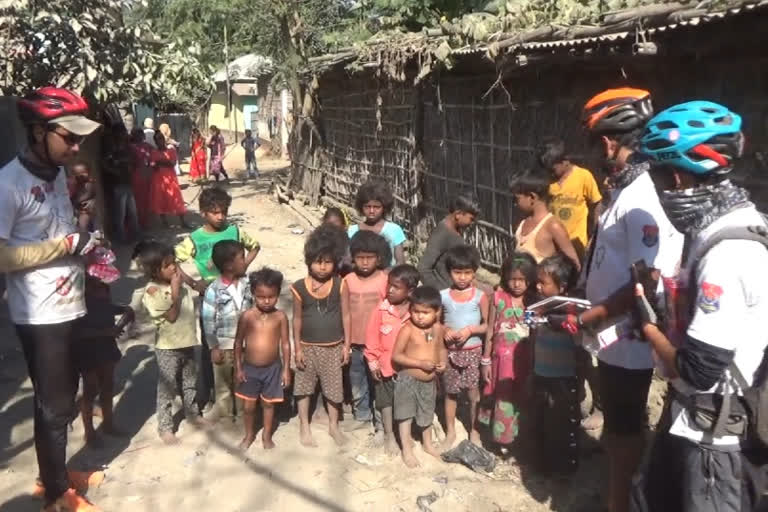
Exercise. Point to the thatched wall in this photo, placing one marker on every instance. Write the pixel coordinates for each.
(457, 132)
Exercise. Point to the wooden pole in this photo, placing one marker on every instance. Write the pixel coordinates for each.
(226, 72)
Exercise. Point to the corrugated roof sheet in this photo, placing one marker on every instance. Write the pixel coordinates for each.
(325, 62)
(621, 36)
(246, 67)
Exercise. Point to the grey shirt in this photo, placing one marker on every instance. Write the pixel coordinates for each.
(432, 264)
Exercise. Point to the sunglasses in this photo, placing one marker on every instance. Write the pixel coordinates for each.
(70, 139)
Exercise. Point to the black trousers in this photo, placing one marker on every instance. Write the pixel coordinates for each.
(53, 371)
(683, 476)
(205, 384)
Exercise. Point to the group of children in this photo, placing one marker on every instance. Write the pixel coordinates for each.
(360, 316)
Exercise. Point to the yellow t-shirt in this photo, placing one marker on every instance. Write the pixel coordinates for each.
(179, 334)
(570, 203)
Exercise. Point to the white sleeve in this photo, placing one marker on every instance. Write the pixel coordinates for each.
(8, 208)
(642, 233)
(720, 307)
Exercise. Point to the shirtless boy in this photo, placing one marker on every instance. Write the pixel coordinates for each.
(418, 355)
(260, 343)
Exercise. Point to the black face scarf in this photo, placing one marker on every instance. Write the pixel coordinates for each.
(693, 209)
(44, 172)
(636, 165)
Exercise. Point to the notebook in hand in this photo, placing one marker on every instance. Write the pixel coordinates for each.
(558, 304)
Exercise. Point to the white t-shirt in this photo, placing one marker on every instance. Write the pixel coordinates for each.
(632, 228)
(731, 305)
(31, 211)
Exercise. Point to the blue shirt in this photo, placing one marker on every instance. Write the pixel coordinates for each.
(391, 232)
(554, 354)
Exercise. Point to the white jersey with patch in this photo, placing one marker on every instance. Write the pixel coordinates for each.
(33, 210)
(729, 310)
(633, 227)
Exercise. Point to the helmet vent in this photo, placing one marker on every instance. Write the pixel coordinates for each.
(695, 123)
(658, 144)
(666, 125)
(725, 120)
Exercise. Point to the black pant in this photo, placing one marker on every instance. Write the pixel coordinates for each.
(556, 419)
(52, 369)
(205, 384)
(683, 476)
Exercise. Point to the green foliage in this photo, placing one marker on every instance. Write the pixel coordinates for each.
(253, 26)
(86, 45)
(415, 14)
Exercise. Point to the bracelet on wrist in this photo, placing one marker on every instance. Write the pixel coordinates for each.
(485, 361)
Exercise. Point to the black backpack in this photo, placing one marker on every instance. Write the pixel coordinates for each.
(755, 400)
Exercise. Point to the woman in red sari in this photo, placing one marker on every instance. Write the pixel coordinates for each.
(164, 194)
(198, 159)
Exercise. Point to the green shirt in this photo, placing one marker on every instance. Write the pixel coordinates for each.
(199, 245)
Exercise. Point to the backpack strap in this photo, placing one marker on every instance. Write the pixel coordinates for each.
(756, 234)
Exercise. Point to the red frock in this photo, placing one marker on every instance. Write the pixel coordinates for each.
(198, 160)
(164, 193)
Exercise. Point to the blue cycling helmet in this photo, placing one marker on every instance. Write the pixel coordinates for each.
(700, 137)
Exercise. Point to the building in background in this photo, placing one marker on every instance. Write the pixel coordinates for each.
(252, 102)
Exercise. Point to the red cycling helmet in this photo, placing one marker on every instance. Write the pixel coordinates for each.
(52, 105)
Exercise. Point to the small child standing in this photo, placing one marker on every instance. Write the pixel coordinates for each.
(418, 355)
(555, 385)
(364, 289)
(320, 330)
(262, 339)
(214, 207)
(250, 144)
(465, 310)
(172, 310)
(335, 217)
(224, 301)
(463, 212)
(97, 354)
(506, 357)
(374, 202)
(383, 327)
(82, 193)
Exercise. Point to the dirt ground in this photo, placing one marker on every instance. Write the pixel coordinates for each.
(206, 472)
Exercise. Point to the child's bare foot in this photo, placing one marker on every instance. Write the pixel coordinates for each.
(267, 443)
(245, 443)
(169, 438)
(474, 438)
(306, 439)
(431, 450)
(200, 422)
(450, 438)
(390, 446)
(376, 440)
(337, 436)
(410, 460)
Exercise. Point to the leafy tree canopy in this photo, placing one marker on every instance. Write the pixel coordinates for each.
(91, 47)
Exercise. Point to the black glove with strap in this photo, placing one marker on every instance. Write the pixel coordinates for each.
(565, 322)
(645, 312)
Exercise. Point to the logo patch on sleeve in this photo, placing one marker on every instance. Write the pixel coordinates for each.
(709, 297)
(650, 235)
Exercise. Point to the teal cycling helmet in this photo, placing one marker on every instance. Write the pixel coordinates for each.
(700, 137)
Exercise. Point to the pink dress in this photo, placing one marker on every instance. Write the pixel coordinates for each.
(510, 368)
(164, 194)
